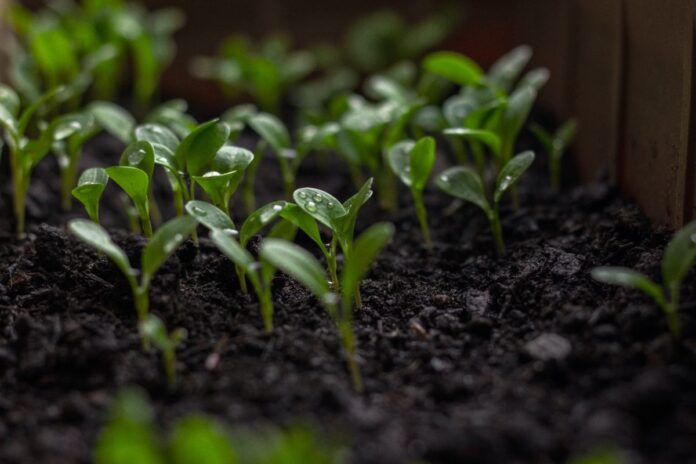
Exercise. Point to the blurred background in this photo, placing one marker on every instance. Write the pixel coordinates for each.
(623, 68)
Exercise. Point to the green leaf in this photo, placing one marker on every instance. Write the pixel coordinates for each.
(306, 223)
(139, 155)
(9, 99)
(629, 278)
(516, 113)
(129, 436)
(508, 68)
(8, 122)
(272, 130)
(210, 216)
(679, 256)
(97, 237)
(163, 243)
(465, 183)
(233, 250)
(564, 135)
(346, 224)
(200, 440)
(366, 249)
(135, 182)
(511, 172)
(216, 185)
(154, 329)
(260, 219)
(535, 79)
(487, 137)
(172, 114)
(298, 263)
(199, 148)
(321, 205)
(399, 157)
(385, 88)
(44, 102)
(157, 134)
(456, 67)
(422, 158)
(232, 159)
(114, 119)
(89, 190)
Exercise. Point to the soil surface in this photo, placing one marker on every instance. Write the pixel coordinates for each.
(466, 358)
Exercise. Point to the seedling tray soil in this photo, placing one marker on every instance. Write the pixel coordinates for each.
(466, 357)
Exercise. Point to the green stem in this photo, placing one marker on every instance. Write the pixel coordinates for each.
(459, 152)
(20, 191)
(672, 312)
(142, 307)
(350, 349)
(386, 190)
(170, 367)
(68, 180)
(422, 217)
(266, 309)
(241, 276)
(497, 230)
(479, 158)
(331, 264)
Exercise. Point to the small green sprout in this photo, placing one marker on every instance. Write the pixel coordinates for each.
(338, 217)
(134, 175)
(223, 234)
(556, 145)
(455, 67)
(276, 135)
(677, 261)
(89, 190)
(163, 243)
(154, 330)
(413, 162)
(25, 153)
(227, 171)
(302, 266)
(465, 183)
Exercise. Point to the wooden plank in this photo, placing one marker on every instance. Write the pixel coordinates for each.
(652, 161)
(594, 80)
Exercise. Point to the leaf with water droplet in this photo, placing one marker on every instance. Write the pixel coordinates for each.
(465, 183)
(306, 199)
(199, 148)
(487, 137)
(139, 155)
(272, 130)
(89, 190)
(260, 219)
(511, 172)
(163, 243)
(233, 250)
(209, 215)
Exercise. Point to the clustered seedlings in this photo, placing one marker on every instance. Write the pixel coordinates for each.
(677, 261)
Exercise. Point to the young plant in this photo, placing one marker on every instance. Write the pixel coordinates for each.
(338, 217)
(555, 145)
(227, 171)
(465, 183)
(276, 135)
(134, 175)
(678, 259)
(161, 246)
(89, 190)
(302, 266)
(153, 329)
(26, 152)
(223, 233)
(413, 163)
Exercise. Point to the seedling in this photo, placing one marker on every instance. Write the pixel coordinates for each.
(302, 266)
(25, 153)
(134, 175)
(465, 183)
(413, 162)
(677, 261)
(89, 190)
(227, 171)
(223, 234)
(165, 241)
(275, 134)
(555, 145)
(153, 329)
(455, 67)
(338, 217)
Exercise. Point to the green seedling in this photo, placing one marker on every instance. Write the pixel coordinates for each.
(227, 171)
(465, 183)
(89, 190)
(26, 152)
(338, 217)
(508, 68)
(163, 243)
(134, 175)
(275, 134)
(153, 329)
(556, 145)
(224, 234)
(455, 67)
(114, 120)
(172, 115)
(413, 163)
(302, 266)
(677, 261)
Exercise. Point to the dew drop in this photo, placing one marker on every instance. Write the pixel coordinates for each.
(211, 174)
(230, 232)
(330, 204)
(444, 178)
(302, 195)
(277, 207)
(311, 207)
(318, 198)
(199, 211)
(330, 298)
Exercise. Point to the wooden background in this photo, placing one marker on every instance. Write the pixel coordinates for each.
(624, 68)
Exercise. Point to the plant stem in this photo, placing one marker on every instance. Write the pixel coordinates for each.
(672, 312)
(20, 193)
(142, 307)
(170, 367)
(422, 217)
(266, 306)
(68, 180)
(386, 190)
(331, 262)
(349, 346)
(497, 230)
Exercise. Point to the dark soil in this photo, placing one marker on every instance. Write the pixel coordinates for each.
(467, 358)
